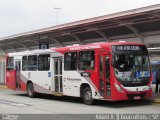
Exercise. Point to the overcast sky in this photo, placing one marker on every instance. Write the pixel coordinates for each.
(18, 16)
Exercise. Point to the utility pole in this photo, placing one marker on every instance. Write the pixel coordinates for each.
(57, 9)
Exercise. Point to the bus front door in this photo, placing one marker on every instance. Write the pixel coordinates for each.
(57, 80)
(104, 76)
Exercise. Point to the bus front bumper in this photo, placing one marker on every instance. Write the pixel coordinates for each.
(118, 96)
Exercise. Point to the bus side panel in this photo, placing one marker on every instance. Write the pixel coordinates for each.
(71, 83)
(149, 94)
(11, 79)
(23, 85)
(41, 81)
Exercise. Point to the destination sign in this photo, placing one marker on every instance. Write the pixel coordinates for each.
(127, 48)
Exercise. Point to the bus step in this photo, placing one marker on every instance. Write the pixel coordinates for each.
(57, 94)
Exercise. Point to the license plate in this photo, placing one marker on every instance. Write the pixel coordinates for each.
(137, 97)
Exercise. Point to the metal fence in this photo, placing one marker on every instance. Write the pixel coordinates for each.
(2, 72)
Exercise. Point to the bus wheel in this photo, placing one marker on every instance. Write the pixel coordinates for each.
(30, 90)
(87, 96)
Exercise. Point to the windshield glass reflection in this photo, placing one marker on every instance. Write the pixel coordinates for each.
(131, 67)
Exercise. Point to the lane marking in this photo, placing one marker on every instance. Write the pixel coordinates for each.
(12, 103)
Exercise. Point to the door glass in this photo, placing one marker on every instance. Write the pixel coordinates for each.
(10, 64)
(108, 93)
(101, 76)
(61, 87)
(56, 84)
(108, 86)
(17, 68)
(101, 67)
(60, 66)
(58, 74)
(56, 66)
(107, 68)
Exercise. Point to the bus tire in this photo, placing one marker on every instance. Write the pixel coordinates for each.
(30, 90)
(87, 96)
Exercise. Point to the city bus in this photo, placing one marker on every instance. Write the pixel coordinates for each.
(112, 71)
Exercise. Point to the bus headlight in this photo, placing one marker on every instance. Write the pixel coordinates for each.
(149, 87)
(118, 88)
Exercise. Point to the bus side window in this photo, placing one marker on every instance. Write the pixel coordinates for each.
(44, 62)
(86, 60)
(32, 63)
(70, 61)
(10, 65)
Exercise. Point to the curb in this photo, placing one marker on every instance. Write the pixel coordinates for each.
(3, 87)
(156, 101)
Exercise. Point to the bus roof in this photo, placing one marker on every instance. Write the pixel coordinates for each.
(74, 48)
(28, 52)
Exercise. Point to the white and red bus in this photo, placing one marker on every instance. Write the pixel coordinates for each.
(105, 71)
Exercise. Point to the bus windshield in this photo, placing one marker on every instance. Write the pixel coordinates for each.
(132, 68)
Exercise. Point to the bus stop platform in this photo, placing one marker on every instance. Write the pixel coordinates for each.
(156, 98)
(3, 86)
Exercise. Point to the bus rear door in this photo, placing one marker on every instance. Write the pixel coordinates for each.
(57, 77)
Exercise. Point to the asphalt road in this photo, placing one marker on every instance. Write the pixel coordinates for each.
(12, 102)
